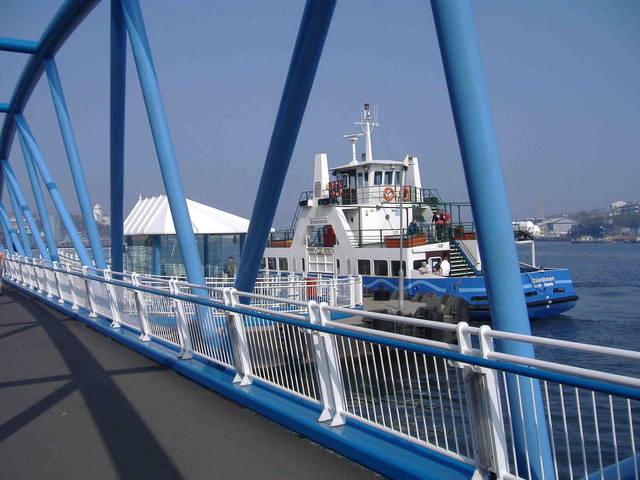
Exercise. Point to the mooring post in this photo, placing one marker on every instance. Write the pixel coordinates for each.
(487, 193)
(312, 34)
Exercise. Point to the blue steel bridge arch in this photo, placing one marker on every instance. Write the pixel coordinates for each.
(472, 116)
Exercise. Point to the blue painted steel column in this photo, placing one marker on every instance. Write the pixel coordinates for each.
(162, 139)
(312, 34)
(22, 229)
(39, 198)
(118, 88)
(7, 235)
(8, 228)
(22, 202)
(36, 155)
(75, 166)
(487, 193)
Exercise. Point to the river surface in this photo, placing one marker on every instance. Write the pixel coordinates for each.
(606, 277)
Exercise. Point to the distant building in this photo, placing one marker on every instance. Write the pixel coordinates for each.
(97, 212)
(556, 227)
(621, 207)
(152, 245)
(56, 225)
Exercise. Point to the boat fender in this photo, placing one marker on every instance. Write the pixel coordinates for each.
(388, 194)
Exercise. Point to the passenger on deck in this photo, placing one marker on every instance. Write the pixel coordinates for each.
(445, 267)
(413, 228)
(438, 220)
(425, 268)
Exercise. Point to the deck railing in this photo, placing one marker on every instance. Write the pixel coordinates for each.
(448, 398)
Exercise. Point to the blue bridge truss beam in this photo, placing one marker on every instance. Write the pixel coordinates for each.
(314, 26)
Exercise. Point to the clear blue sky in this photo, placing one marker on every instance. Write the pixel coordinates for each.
(563, 79)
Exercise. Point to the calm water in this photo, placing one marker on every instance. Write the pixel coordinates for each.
(607, 279)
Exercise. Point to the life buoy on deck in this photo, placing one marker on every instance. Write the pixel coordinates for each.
(335, 189)
(388, 194)
(406, 194)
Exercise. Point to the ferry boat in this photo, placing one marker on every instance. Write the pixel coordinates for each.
(374, 218)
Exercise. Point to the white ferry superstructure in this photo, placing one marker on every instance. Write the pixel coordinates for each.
(357, 220)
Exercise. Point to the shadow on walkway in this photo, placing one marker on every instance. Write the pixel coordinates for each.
(76, 404)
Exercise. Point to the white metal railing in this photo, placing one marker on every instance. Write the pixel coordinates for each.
(339, 291)
(449, 398)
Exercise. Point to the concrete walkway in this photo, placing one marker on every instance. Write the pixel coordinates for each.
(76, 405)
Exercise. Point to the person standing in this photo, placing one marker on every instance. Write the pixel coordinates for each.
(438, 220)
(445, 267)
(230, 268)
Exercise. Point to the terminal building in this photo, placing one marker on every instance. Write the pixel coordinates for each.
(151, 244)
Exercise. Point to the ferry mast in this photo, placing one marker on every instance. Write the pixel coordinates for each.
(367, 126)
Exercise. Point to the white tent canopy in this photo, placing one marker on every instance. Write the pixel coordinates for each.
(152, 216)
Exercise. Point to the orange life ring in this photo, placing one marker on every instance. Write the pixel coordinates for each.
(388, 194)
(336, 189)
(406, 194)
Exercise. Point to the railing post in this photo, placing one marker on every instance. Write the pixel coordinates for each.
(484, 406)
(90, 295)
(116, 320)
(328, 368)
(56, 266)
(47, 280)
(141, 307)
(21, 279)
(333, 285)
(35, 274)
(72, 288)
(186, 347)
(241, 354)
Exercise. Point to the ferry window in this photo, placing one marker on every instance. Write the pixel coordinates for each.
(395, 268)
(262, 263)
(283, 264)
(366, 178)
(377, 178)
(345, 181)
(398, 178)
(337, 265)
(434, 263)
(364, 267)
(380, 267)
(303, 265)
(352, 180)
(388, 178)
(348, 266)
(360, 179)
(272, 263)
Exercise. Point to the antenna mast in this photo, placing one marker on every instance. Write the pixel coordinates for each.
(367, 126)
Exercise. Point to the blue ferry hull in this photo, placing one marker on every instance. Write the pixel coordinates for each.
(548, 293)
